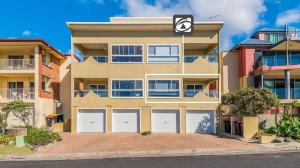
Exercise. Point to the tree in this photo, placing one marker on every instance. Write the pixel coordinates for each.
(3, 120)
(250, 101)
(19, 110)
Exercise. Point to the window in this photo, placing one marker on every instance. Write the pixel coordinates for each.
(294, 58)
(163, 53)
(46, 84)
(213, 55)
(163, 88)
(274, 37)
(127, 53)
(127, 88)
(100, 59)
(98, 89)
(192, 90)
(46, 58)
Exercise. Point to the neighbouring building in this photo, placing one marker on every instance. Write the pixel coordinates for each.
(270, 58)
(136, 76)
(31, 70)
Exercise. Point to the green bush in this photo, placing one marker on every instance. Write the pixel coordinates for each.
(146, 133)
(40, 136)
(289, 126)
(5, 139)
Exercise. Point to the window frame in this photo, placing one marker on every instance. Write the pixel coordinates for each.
(111, 54)
(49, 88)
(157, 97)
(46, 54)
(127, 97)
(164, 62)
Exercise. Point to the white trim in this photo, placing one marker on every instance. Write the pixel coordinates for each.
(141, 23)
(93, 108)
(183, 54)
(151, 118)
(126, 79)
(171, 79)
(140, 116)
(126, 44)
(174, 44)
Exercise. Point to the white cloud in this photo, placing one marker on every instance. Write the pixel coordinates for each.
(288, 17)
(26, 33)
(101, 2)
(240, 16)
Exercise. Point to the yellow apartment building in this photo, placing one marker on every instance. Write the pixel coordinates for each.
(136, 76)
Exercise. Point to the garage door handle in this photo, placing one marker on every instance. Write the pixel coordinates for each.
(165, 122)
(126, 122)
(92, 122)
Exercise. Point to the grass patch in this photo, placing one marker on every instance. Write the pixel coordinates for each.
(12, 150)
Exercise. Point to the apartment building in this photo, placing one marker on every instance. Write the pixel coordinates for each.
(31, 71)
(136, 76)
(270, 58)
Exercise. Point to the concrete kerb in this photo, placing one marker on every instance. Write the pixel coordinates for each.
(173, 153)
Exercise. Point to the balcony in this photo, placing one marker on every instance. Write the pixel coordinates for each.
(16, 94)
(17, 64)
(162, 93)
(277, 58)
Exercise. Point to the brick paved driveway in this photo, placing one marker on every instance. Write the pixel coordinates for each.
(94, 143)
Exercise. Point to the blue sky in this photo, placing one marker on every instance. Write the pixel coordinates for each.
(47, 18)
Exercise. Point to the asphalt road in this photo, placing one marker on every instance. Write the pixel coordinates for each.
(283, 160)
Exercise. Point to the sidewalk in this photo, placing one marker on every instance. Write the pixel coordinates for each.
(173, 153)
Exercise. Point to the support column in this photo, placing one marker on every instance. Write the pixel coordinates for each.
(287, 78)
(262, 80)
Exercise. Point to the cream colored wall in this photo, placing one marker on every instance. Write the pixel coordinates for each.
(43, 107)
(230, 71)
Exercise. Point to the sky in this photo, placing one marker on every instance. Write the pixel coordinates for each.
(47, 19)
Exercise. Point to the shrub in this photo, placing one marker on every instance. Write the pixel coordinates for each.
(40, 136)
(146, 133)
(6, 139)
(250, 101)
(289, 126)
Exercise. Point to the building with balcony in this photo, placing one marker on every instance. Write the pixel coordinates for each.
(31, 70)
(136, 76)
(270, 58)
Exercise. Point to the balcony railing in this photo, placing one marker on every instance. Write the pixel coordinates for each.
(17, 94)
(164, 93)
(100, 59)
(207, 93)
(127, 93)
(17, 64)
(82, 93)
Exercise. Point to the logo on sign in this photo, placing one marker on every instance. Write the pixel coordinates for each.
(183, 24)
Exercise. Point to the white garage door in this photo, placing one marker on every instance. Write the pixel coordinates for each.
(125, 120)
(91, 120)
(200, 121)
(165, 121)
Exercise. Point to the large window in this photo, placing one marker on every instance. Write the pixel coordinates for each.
(213, 55)
(46, 84)
(163, 53)
(127, 88)
(294, 58)
(274, 37)
(127, 53)
(163, 88)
